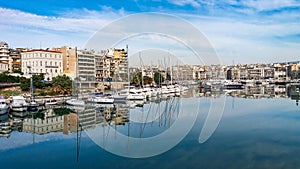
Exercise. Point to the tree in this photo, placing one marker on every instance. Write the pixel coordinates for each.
(147, 80)
(158, 78)
(25, 84)
(5, 78)
(62, 84)
(18, 71)
(137, 79)
(38, 81)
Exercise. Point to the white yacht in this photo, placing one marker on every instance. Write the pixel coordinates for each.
(102, 99)
(3, 105)
(33, 105)
(50, 102)
(136, 94)
(75, 102)
(18, 103)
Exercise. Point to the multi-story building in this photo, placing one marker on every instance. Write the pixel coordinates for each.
(268, 72)
(86, 73)
(112, 65)
(199, 73)
(279, 71)
(121, 64)
(233, 73)
(15, 59)
(4, 52)
(4, 55)
(3, 67)
(293, 70)
(255, 73)
(104, 65)
(39, 61)
(99, 61)
(243, 72)
(69, 59)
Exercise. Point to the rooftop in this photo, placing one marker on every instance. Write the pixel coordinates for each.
(43, 50)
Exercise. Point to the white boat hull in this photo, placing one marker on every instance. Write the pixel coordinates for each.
(102, 100)
(18, 109)
(3, 110)
(75, 102)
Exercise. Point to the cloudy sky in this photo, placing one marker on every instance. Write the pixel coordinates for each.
(248, 31)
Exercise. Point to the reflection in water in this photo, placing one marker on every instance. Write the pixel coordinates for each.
(253, 132)
(253, 91)
(66, 119)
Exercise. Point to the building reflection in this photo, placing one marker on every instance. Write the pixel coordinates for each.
(68, 120)
(257, 92)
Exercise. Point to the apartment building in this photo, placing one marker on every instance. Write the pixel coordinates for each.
(86, 72)
(112, 65)
(4, 56)
(69, 59)
(15, 59)
(3, 67)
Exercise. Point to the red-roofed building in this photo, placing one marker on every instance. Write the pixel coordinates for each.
(38, 61)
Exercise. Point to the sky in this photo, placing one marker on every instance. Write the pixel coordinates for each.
(248, 31)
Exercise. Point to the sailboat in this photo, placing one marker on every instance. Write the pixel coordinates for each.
(33, 105)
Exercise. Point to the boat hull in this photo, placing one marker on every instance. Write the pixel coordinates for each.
(4, 110)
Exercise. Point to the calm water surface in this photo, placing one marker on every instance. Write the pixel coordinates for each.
(253, 133)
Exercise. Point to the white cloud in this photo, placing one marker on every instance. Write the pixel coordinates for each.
(193, 3)
(21, 19)
(72, 27)
(232, 35)
(265, 5)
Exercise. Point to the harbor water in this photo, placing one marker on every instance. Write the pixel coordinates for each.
(245, 131)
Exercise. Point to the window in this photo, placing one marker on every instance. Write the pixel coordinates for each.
(41, 63)
(50, 63)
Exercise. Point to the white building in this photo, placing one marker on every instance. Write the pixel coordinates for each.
(39, 61)
(4, 57)
(86, 70)
(3, 67)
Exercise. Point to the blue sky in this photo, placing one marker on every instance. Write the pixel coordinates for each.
(247, 31)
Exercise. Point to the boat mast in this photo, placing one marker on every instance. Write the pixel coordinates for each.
(128, 75)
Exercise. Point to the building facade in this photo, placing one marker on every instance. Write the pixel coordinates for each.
(112, 65)
(3, 67)
(15, 59)
(4, 55)
(69, 59)
(47, 62)
(85, 78)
